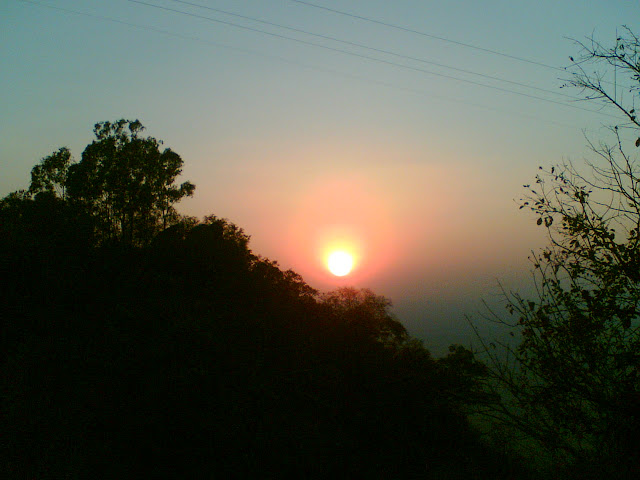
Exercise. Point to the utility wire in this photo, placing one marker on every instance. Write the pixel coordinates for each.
(136, 25)
(428, 35)
(444, 39)
(367, 57)
(303, 65)
(378, 50)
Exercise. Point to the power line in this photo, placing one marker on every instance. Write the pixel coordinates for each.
(378, 50)
(300, 64)
(367, 57)
(135, 25)
(444, 39)
(428, 35)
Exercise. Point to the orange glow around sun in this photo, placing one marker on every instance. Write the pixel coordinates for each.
(350, 215)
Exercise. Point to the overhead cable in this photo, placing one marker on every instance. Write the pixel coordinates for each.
(374, 49)
(367, 57)
(429, 35)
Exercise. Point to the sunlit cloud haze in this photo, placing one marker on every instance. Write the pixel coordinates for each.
(412, 167)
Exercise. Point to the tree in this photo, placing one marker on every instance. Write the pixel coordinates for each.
(127, 183)
(624, 57)
(574, 384)
(365, 314)
(50, 175)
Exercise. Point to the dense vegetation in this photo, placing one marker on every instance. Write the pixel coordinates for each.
(139, 343)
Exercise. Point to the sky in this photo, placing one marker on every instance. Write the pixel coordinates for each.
(401, 131)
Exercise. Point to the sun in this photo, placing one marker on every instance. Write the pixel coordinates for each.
(340, 263)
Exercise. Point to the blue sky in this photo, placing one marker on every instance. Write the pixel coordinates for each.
(417, 165)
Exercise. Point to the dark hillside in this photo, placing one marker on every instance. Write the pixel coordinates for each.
(138, 343)
(191, 357)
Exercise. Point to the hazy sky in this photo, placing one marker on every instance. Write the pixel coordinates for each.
(408, 145)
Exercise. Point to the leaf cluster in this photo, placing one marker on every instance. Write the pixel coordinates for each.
(573, 381)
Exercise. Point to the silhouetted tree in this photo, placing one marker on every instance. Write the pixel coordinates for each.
(365, 314)
(50, 175)
(127, 183)
(466, 378)
(283, 284)
(574, 383)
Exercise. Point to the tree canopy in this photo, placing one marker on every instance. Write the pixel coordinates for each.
(50, 175)
(127, 183)
(575, 383)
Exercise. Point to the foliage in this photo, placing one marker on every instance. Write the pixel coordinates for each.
(50, 175)
(127, 183)
(574, 384)
(190, 356)
(162, 360)
(366, 314)
(42, 227)
(468, 387)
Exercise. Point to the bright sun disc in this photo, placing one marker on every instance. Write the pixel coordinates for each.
(340, 263)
